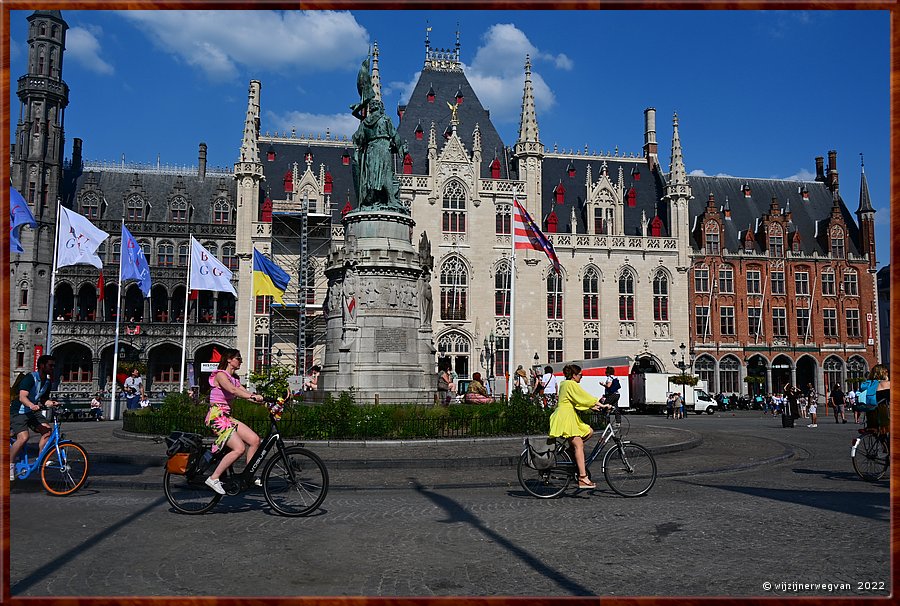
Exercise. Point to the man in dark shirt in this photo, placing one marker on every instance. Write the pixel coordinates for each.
(837, 400)
(25, 412)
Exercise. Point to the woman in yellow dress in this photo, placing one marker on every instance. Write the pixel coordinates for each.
(565, 423)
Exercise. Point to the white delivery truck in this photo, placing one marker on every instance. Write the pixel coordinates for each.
(593, 371)
(649, 392)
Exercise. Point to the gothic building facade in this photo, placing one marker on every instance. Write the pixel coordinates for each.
(633, 240)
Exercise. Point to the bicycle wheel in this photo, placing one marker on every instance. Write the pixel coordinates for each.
(543, 484)
(871, 458)
(295, 481)
(189, 494)
(629, 469)
(64, 469)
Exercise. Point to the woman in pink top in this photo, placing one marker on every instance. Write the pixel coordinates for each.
(226, 386)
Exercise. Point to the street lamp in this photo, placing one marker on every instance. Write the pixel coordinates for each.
(683, 365)
(489, 342)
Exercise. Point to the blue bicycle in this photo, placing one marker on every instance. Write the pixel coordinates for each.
(63, 463)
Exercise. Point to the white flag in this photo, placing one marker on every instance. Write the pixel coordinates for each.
(207, 272)
(78, 240)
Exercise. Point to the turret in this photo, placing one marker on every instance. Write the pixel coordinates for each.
(650, 147)
(866, 217)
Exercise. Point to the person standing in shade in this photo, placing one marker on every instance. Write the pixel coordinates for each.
(134, 390)
(520, 380)
(837, 402)
(550, 384)
(611, 397)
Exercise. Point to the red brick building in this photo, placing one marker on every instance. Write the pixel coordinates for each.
(783, 283)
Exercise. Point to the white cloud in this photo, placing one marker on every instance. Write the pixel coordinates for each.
(403, 89)
(497, 73)
(802, 175)
(83, 47)
(306, 123)
(15, 49)
(699, 172)
(220, 42)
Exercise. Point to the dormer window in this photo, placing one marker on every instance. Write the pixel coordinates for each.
(776, 243)
(570, 170)
(495, 169)
(270, 155)
(178, 210)
(656, 225)
(804, 193)
(560, 192)
(308, 157)
(407, 164)
(329, 183)
(90, 206)
(345, 158)
(632, 196)
(459, 96)
(552, 222)
(448, 132)
(430, 96)
(746, 190)
(134, 208)
(837, 244)
(347, 208)
(711, 239)
(420, 132)
(635, 174)
(267, 211)
(289, 181)
(795, 242)
(221, 212)
(749, 244)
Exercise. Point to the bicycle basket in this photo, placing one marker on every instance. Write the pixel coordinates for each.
(541, 453)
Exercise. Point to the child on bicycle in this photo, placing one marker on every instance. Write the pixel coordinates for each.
(565, 423)
(239, 438)
(25, 412)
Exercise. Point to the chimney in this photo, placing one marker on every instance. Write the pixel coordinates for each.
(820, 169)
(650, 148)
(76, 154)
(832, 172)
(201, 170)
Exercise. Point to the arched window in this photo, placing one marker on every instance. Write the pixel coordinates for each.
(590, 288)
(837, 243)
(165, 254)
(661, 297)
(712, 239)
(705, 367)
(41, 59)
(221, 212)
(456, 346)
(229, 256)
(857, 372)
(501, 288)
(503, 221)
(626, 296)
(834, 372)
(146, 248)
(213, 248)
(776, 242)
(178, 210)
(454, 289)
(183, 254)
(591, 341)
(728, 374)
(90, 206)
(134, 208)
(453, 202)
(116, 251)
(554, 296)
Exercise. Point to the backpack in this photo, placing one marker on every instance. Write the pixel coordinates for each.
(865, 397)
(615, 386)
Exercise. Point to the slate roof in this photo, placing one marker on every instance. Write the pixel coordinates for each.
(649, 190)
(808, 216)
(470, 112)
(115, 186)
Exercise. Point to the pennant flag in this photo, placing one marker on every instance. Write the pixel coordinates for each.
(19, 214)
(78, 240)
(207, 272)
(529, 236)
(134, 263)
(101, 288)
(268, 278)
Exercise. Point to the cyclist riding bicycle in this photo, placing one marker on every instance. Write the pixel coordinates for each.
(239, 438)
(25, 412)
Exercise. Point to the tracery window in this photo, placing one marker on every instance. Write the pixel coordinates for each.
(590, 286)
(453, 203)
(554, 296)
(502, 288)
(454, 289)
(626, 296)
(661, 297)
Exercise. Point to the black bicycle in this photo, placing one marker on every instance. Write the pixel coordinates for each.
(294, 480)
(629, 468)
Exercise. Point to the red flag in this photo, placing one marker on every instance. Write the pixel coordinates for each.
(101, 288)
(216, 356)
(526, 234)
(195, 294)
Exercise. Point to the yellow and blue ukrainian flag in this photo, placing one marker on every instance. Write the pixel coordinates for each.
(268, 278)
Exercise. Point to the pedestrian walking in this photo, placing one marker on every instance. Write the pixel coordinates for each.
(445, 383)
(837, 402)
(670, 405)
(550, 385)
(134, 390)
(520, 380)
(850, 402)
(790, 408)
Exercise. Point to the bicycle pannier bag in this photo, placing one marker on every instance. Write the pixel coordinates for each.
(183, 450)
(178, 463)
(541, 454)
(865, 397)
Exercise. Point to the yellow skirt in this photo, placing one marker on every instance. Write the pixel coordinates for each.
(565, 423)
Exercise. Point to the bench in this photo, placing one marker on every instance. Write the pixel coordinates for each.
(76, 410)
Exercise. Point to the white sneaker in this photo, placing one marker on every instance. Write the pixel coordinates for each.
(814, 425)
(216, 485)
(810, 425)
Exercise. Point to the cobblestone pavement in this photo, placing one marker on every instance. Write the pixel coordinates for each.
(751, 504)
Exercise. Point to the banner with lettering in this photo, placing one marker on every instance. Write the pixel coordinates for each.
(78, 240)
(207, 272)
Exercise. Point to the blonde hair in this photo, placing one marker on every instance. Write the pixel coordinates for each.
(879, 372)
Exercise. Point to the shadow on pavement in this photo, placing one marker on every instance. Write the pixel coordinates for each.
(457, 514)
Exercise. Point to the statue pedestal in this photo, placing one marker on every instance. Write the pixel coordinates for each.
(377, 341)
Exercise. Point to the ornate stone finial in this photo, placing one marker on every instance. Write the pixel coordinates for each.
(528, 126)
(376, 74)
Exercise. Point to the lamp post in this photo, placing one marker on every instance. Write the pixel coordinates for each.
(489, 342)
(683, 365)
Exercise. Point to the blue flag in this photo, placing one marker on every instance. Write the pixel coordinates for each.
(134, 263)
(19, 214)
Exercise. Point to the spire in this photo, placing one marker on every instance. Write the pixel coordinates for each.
(865, 203)
(677, 175)
(376, 75)
(249, 146)
(528, 126)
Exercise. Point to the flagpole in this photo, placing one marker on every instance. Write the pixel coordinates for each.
(113, 409)
(52, 280)
(510, 370)
(187, 292)
(252, 309)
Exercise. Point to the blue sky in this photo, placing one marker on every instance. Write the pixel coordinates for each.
(758, 93)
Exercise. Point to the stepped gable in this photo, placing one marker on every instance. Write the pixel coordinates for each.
(325, 151)
(156, 188)
(805, 214)
(446, 85)
(649, 190)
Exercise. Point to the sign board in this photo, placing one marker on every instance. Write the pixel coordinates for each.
(22, 326)
(295, 382)
(38, 352)
(208, 366)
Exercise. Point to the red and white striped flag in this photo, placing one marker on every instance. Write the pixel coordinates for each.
(527, 235)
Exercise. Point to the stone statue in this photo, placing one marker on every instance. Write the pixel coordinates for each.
(425, 257)
(376, 141)
(426, 304)
(351, 286)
